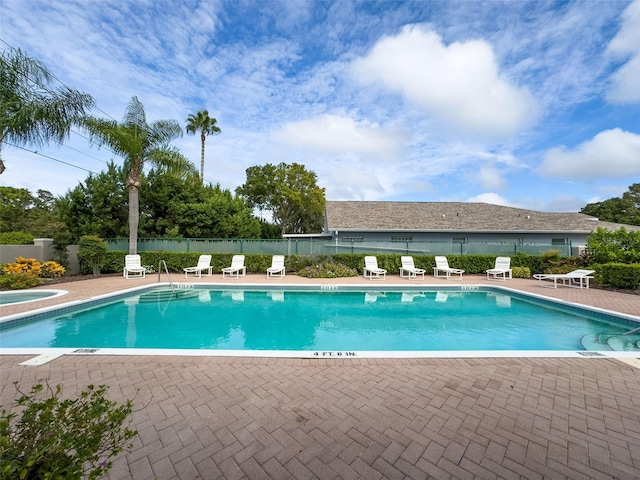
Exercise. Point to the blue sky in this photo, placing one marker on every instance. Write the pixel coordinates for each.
(527, 104)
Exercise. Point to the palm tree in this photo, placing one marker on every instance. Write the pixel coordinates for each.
(203, 123)
(137, 141)
(32, 110)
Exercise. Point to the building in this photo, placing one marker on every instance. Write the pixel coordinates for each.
(457, 225)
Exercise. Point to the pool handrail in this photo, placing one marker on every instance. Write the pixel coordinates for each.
(166, 269)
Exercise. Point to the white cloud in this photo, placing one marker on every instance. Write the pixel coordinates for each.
(611, 153)
(490, 197)
(459, 83)
(624, 82)
(625, 87)
(349, 183)
(491, 178)
(421, 124)
(335, 134)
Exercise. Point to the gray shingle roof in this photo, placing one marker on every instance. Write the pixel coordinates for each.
(454, 216)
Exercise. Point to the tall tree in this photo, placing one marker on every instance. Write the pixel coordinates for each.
(20, 211)
(136, 141)
(202, 123)
(625, 209)
(290, 192)
(15, 203)
(32, 109)
(97, 206)
(169, 206)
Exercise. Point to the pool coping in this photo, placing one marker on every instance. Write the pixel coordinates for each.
(56, 293)
(632, 320)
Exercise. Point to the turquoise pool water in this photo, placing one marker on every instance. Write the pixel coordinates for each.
(315, 321)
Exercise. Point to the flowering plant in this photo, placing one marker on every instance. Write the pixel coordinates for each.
(328, 270)
(51, 269)
(24, 265)
(26, 273)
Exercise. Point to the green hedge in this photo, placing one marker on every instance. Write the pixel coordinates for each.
(258, 263)
(618, 275)
(16, 238)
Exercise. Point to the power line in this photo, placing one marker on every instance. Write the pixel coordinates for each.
(53, 77)
(35, 152)
(45, 87)
(99, 145)
(85, 154)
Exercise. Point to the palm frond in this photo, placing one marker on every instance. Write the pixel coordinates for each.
(32, 111)
(170, 161)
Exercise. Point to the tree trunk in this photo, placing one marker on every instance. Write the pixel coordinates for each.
(1, 162)
(134, 215)
(202, 140)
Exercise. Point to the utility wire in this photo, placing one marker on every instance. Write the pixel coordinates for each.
(48, 90)
(85, 154)
(53, 77)
(51, 158)
(99, 145)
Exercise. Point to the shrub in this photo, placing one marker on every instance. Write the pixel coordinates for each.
(258, 263)
(619, 275)
(24, 273)
(55, 438)
(521, 272)
(18, 281)
(29, 266)
(16, 238)
(606, 246)
(149, 268)
(328, 270)
(92, 253)
(51, 269)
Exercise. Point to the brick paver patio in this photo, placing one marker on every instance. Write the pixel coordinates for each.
(485, 418)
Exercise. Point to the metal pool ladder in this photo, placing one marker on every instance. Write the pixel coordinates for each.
(166, 270)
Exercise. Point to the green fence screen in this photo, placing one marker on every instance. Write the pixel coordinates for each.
(328, 247)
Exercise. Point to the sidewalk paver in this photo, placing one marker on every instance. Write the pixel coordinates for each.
(453, 418)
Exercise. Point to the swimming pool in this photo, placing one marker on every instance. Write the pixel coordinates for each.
(318, 322)
(24, 296)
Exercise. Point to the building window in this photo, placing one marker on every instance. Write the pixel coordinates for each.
(458, 240)
(408, 238)
(558, 241)
(353, 239)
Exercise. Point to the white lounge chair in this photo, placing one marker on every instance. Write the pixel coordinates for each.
(502, 268)
(577, 278)
(133, 267)
(277, 269)
(204, 265)
(237, 268)
(408, 269)
(442, 265)
(371, 269)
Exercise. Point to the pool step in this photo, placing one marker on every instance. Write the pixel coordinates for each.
(611, 341)
(625, 343)
(167, 295)
(597, 341)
